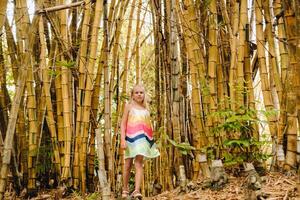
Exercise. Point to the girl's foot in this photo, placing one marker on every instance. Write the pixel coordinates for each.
(125, 194)
(136, 195)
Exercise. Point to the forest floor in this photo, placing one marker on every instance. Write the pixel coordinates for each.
(275, 186)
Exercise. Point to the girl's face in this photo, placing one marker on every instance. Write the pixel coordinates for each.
(138, 94)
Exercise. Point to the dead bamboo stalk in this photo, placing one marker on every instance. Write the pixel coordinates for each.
(59, 7)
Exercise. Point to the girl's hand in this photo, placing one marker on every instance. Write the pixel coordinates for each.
(123, 144)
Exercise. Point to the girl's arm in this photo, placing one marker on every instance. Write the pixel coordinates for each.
(123, 125)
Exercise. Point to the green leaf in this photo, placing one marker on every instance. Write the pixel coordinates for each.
(64, 63)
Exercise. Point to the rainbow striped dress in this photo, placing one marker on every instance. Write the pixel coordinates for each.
(139, 135)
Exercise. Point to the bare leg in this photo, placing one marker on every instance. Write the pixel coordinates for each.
(126, 173)
(138, 163)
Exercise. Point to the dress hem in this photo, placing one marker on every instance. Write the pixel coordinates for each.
(145, 156)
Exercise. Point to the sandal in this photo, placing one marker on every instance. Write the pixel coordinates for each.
(125, 194)
(136, 195)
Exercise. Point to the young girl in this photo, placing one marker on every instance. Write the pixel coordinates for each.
(136, 139)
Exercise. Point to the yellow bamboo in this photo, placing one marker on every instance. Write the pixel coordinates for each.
(107, 105)
(88, 90)
(232, 31)
(124, 81)
(12, 50)
(14, 110)
(190, 28)
(274, 71)
(137, 50)
(66, 101)
(31, 103)
(115, 55)
(212, 64)
(293, 38)
(79, 162)
(3, 5)
(116, 45)
(241, 53)
(10, 132)
(113, 9)
(46, 89)
(265, 83)
(283, 66)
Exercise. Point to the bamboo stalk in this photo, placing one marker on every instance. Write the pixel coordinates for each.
(46, 90)
(3, 5)
(79, 163)
(124, 80)
(212, 65)
(137, 50)
(265, 84)
(89, 87)
(195, 61)
(66, 101)
(274, 71)
(175, 87)
(60, 7)
(12, 50)
(283, 66)
(107, 106)
(8, 142)
(293, 76)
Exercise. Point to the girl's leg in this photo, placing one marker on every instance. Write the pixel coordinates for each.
(126, 173)
(138, 163)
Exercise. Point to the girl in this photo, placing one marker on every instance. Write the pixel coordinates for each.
(136, 139)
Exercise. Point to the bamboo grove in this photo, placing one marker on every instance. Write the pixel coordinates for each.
(66, 72)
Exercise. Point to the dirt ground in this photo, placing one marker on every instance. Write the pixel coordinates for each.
(275, 186)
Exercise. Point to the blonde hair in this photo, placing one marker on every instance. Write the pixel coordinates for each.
(145, 100)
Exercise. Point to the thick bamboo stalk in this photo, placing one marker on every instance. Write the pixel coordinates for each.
(274, 70)
(107, 106)
(10, 131)
(33, 132)
(46, 90)
(103, 178)
(241, 53)
(157, 37)
(114, 69)
(92, 60)
(22, 142)
(293, 39)
(232, 31)
(116, 45)
(265, 83)
(66, 101)
(137, 50)
(166, 55)
(166, 181)
(88, 89)
(283, 67)
(78, 160)
(3, 5)
(12, 50)
(113, 9)
(175, 81)
(124, 81)
(212, 64)
(195, 61)
(31, 97)
(14, 111)
(3, 96)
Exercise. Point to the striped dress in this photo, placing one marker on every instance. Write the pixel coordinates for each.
(139, 135)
